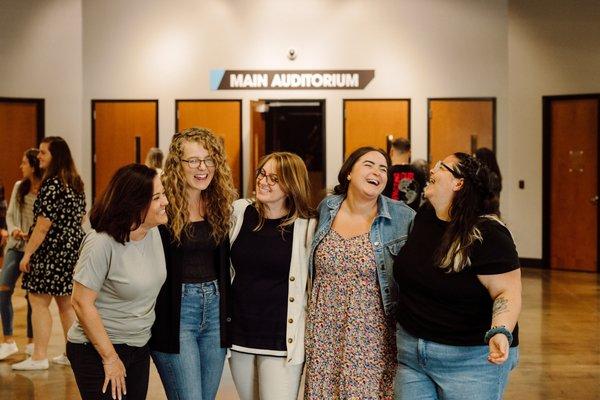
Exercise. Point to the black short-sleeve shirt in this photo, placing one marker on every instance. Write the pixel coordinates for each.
(447, 307)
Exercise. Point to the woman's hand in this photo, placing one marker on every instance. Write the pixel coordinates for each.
(24, 264)
(114, 373)
(17, 233)
(499, 349)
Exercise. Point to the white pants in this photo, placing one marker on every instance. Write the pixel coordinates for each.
(259, 377)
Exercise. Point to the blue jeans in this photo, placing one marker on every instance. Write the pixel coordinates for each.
(195, 373)
(8, 277)
(433, 371)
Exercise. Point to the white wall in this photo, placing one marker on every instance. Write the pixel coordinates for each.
(40, 57)
(554, 49)
(419, 49)
(515, 51)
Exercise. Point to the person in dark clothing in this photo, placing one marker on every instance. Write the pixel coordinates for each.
(405, 181)
(459, 294)
(189, 337)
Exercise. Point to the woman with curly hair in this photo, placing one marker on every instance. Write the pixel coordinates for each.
(189, 338)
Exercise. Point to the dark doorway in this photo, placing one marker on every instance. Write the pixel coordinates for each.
(298, 127)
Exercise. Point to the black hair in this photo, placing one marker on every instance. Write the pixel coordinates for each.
(474, 200)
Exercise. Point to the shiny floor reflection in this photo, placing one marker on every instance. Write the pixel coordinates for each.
(560, 350)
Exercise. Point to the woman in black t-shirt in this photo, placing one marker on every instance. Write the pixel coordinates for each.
(459, 291)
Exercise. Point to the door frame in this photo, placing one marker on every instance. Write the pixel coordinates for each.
(323, 105)
(41, 112)
(494, 117)
(373, 99)
(547, 166)
(93, 118)
(177, 101)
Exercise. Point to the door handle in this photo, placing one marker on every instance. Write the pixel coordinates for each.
(594, 199)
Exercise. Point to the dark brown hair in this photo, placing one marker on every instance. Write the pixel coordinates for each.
(25, 186)
(123, 206)
(473, 203)
(62, 166)
(342, 187)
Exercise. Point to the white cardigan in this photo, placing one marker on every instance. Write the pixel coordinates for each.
(298, 287)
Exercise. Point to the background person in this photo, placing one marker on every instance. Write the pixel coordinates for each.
(189, 337)
(350, 344)
(405, 181)
(270, 242)
(154, 159)
(19, 219)
(459, 291)
(120, 271)
(52, 249)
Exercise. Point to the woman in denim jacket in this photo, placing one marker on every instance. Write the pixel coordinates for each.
(350, 348)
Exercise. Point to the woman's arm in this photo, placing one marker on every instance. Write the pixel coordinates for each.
(83, 300)
(42, 226)
(505, 290)
(11, 214)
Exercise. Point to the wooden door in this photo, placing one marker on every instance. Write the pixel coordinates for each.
(460, 125)
(370, 122)
(574, 183)
(122, 133)
(257, 139)
(21, 128)
(224, 118)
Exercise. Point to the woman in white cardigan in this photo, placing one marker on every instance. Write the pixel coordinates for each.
(270, 241)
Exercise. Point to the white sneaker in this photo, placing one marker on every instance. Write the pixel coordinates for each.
(61, 360)
(31, 365)
(8, 349)
(29, 349)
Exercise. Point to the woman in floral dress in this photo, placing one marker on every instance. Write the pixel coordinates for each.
(52, 249)
(350, 346)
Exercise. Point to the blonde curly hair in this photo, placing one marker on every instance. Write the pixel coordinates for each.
(217, 197)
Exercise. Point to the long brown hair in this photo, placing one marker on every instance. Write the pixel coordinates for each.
(61, 165)
(25, 186)
(218, 196)
(293, 179)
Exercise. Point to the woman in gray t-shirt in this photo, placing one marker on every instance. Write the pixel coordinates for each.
(118, 276)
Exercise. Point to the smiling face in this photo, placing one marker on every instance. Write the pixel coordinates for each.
(368, 176)
(26, 168)
(44, 156)
(268, 187)
(442, 183)
(157, 213)
(197, 177)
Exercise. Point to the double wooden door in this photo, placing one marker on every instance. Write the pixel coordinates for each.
(122, 133)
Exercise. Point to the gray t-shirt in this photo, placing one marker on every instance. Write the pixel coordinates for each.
(127, 279)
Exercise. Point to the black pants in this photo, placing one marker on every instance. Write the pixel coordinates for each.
(89, 372)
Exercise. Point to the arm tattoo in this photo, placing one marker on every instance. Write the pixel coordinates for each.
(500, 306)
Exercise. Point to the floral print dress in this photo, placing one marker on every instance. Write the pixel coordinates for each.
(350, 344)
(51, 265)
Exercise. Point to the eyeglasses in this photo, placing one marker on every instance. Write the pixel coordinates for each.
(272, 179)
(441, 164)
(196, 162)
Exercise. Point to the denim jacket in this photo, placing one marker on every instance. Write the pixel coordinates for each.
(389, 232)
